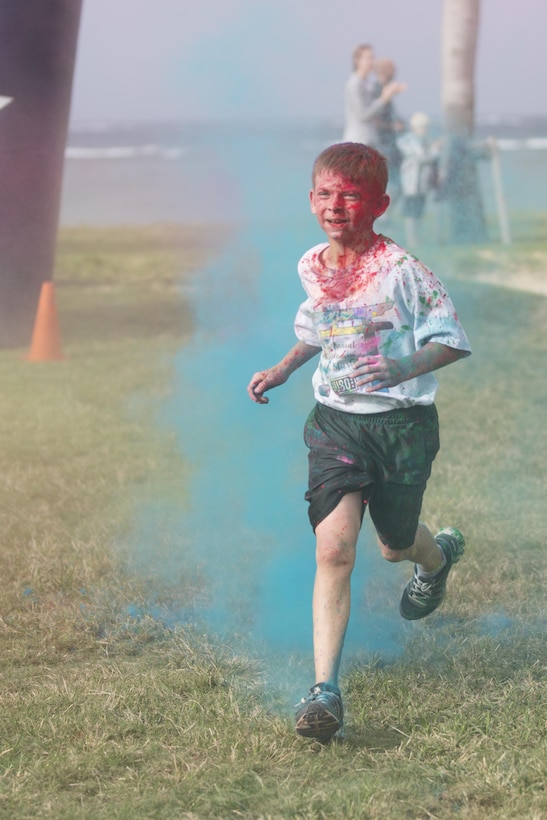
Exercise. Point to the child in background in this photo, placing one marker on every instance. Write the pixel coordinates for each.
(419, 162)
(381, 322)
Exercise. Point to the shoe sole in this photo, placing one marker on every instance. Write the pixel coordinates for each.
(317, 723)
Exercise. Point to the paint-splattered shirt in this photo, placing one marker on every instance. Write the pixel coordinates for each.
(388, 303)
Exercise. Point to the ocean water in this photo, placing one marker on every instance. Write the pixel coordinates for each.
(138, 173)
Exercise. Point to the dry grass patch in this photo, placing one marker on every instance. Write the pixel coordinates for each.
(107, 711)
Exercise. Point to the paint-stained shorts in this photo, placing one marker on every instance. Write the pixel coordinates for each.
(387, 457)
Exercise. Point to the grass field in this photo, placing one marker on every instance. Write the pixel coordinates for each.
(103, 715)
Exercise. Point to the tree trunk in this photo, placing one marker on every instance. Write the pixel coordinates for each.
(459, 162)
(37, 54)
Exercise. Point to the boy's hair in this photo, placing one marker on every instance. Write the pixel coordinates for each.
(356, 161)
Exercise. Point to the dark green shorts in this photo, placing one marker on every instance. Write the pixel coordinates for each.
(387, 457)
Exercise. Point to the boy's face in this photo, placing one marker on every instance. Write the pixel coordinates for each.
(345, 210)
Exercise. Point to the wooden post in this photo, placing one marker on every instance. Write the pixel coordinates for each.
(501, 205)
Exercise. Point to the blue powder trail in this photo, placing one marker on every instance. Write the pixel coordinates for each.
(243, 529)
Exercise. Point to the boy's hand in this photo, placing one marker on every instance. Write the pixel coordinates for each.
(265, 380)
(279, 373)
(379, 372)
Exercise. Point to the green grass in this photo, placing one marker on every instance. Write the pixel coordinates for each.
(107, 715)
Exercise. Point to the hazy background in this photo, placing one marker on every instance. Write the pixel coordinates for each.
(175, 59)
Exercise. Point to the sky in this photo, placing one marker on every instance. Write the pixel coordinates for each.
(181, 59)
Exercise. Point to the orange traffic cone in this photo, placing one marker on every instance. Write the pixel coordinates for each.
(46, 337)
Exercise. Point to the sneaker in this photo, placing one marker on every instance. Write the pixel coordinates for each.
(321, 713)
(421, 596)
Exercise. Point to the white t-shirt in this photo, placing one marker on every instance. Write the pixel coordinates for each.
(388, 303)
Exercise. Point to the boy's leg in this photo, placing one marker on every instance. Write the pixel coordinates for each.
(433, 559)
(336, 538)
(320, 714)
(424, 551)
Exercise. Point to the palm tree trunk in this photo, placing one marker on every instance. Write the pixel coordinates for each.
(459, 43)
(459, 162)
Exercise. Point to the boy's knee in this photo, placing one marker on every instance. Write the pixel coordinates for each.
(336, 556)
(392, 554)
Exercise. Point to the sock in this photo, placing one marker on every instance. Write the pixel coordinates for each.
(423, 573)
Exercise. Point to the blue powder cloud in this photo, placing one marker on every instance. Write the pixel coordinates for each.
(226, 76)
(243, 528)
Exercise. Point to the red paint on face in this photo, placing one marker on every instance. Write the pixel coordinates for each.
(345, 210)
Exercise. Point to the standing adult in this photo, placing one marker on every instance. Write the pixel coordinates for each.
(364, 100)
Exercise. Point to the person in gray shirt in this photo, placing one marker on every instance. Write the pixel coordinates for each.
(365, 100)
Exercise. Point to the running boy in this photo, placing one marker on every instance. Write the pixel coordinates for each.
(382, 322)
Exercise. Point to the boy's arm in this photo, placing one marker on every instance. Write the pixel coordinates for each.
(386, 372)
(279, 373)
